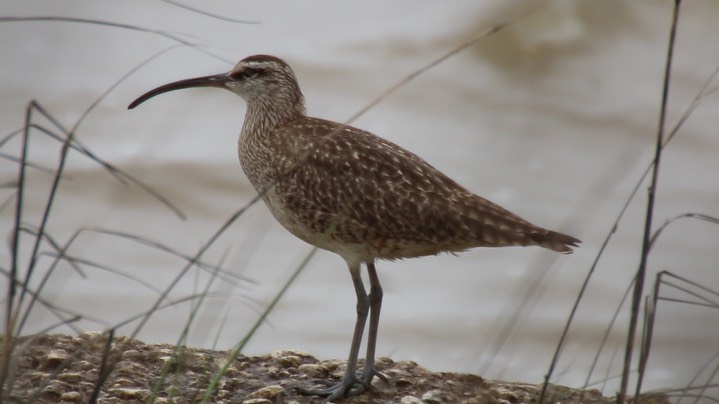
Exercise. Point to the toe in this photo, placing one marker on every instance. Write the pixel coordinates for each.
(369, 373)
(349, 386)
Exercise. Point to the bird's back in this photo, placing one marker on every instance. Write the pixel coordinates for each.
(351, 192)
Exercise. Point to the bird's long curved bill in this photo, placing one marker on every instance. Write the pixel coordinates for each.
(217, 80)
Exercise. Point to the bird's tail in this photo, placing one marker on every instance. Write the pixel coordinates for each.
(553, 240)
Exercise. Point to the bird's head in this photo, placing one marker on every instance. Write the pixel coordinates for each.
(262, 79)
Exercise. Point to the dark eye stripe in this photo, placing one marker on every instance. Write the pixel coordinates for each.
(247, 72)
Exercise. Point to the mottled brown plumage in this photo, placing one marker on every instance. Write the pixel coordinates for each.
(350, 192)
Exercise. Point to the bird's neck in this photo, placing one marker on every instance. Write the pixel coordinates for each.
(266, 115)
(261, 137)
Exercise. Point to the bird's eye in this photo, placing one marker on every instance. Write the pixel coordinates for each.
(246, 73)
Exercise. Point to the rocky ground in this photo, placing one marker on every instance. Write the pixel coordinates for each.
(60, 368)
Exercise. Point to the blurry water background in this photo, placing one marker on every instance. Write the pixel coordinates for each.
(554, 117)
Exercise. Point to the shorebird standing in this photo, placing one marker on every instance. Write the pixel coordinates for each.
(348, 191)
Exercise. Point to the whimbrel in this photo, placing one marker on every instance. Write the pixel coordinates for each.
(348, 191)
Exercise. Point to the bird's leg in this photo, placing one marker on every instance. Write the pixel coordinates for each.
(350, 384)
(375, 305)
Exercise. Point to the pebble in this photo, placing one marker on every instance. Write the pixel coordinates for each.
(132, 393)
(516, 394)
(313, 371)
(71, 396)
(53, 359)
(90, 335)
(274, 392)
(257, 401)
(71, 377)
(122, 382)
(84, 365)
(291, 352)
(56, 388)
(289, 361)
(131, 354)
(434, 397)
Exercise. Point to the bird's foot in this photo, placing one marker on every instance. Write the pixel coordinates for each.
(369, 373)
(351, 385)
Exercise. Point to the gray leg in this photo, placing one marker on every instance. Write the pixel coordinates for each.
(350, 384)
(375, 301)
